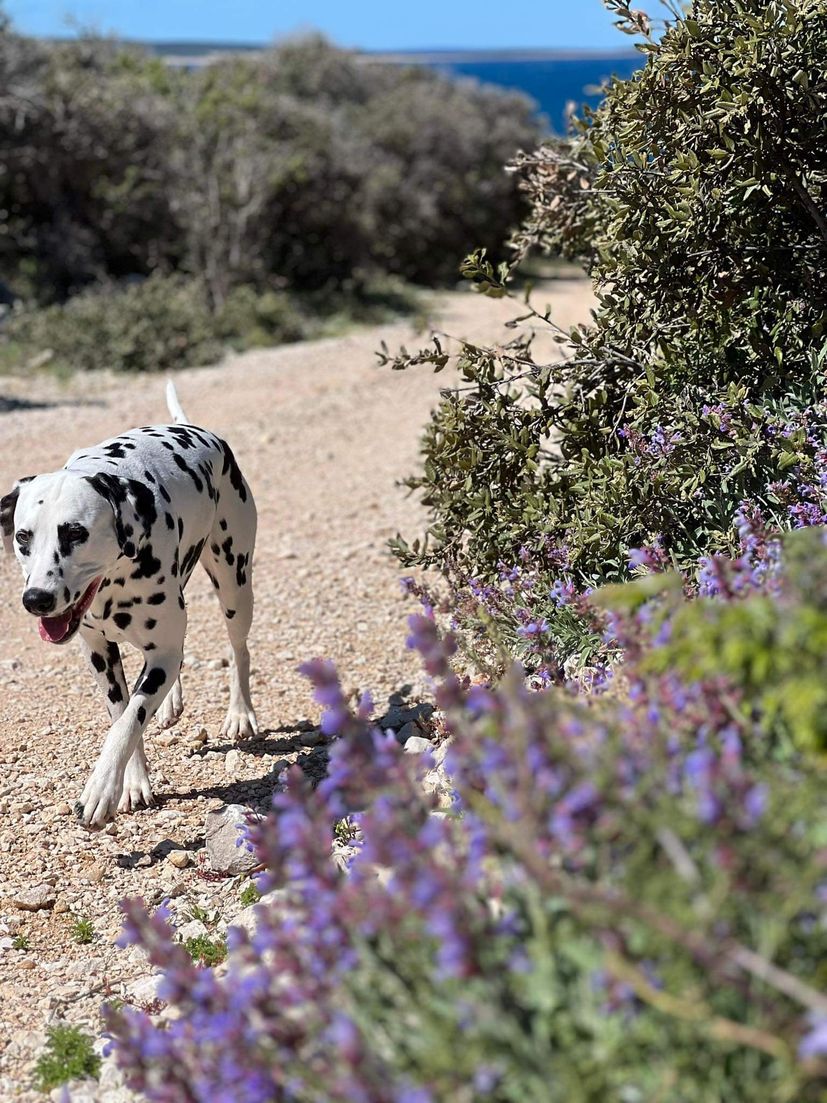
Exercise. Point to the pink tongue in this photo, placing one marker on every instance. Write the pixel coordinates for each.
(53, 629)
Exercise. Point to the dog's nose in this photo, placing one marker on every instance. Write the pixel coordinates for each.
(39, 602)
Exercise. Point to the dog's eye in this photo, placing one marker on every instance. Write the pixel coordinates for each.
(23, 537)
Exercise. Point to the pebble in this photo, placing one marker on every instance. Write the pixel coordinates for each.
(416, 744)
(179, 858)
(36, 899)
(233, 762)
(64, 809)
(222, 829)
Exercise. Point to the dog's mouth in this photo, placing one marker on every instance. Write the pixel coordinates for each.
(61, 628)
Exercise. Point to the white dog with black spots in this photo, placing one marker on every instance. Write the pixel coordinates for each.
(107, 546)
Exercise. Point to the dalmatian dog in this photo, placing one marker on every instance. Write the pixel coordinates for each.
(107, 546)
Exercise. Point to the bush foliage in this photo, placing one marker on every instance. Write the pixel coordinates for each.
(625, 900)
(304, 168)
(695, 195)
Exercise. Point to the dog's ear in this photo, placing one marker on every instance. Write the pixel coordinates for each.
(8, 504)
(133, 505)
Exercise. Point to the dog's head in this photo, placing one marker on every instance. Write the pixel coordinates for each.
(67, 531)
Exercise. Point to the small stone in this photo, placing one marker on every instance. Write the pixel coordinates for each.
(223, 828)
(416, 744)
(61, 907)
(143, 989)
(97, 872)
(63, 809)
(26, 963)
(179, 858)
(275, 901)
(194, 929)
(232, 761)
(166, 738)
(36, 899)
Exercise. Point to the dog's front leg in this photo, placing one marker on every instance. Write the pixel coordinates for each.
(102, 793)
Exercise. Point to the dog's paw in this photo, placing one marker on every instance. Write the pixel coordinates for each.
(240, 723)
(172, 707)
(99, 800)
(137, 790)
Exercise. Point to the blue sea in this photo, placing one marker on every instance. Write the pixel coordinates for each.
(552, 83)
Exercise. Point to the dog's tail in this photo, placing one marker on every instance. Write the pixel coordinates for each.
(174, 406)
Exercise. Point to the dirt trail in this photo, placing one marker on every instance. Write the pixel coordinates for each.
(322, 435)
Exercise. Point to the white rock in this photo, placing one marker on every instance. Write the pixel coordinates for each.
(194, 929)
(179, 858)
(223, 828)
(248, 918)
(232, 762)
(36, 899)
(416, 744)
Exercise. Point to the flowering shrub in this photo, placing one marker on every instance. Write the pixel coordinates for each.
(624, 901)
(694, 196)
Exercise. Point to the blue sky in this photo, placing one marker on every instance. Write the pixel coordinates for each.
(369, 24)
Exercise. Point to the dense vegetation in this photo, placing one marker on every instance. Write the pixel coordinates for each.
(696, 196)
(623, 895)
(303, 173)
(624, 901)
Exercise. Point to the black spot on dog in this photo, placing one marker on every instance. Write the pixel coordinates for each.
(162, 490)
(214, 548)
(65, 592)
(149, 647)
(57, 558)
(150, 623)
(152, 681)
(240, 569)
(170, 522)
(120, 582)
(223, 525)
(156, 599)
(141, 714)
(227, 549)
(70, 536)
(236, 478)
(191, 558)
(150, 478)
(107, 609)
(123, 620)
(230, 614)
(129, 603)
(180, 529)
(184, 466)
(115, 694)
(98, 662)
(148, 564)
(181, 601)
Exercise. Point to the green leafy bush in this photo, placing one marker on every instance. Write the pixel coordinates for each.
(158, 324)
(695, 195)
(303, 164)
(68, 1055)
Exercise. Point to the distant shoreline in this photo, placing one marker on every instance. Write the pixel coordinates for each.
(173, 48)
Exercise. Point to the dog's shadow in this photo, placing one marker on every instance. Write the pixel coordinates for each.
(302, 744)
(10, 404)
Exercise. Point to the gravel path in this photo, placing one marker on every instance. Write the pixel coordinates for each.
(322, 435)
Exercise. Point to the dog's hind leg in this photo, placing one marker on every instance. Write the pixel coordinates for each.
(104, 659)
(227, 559)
